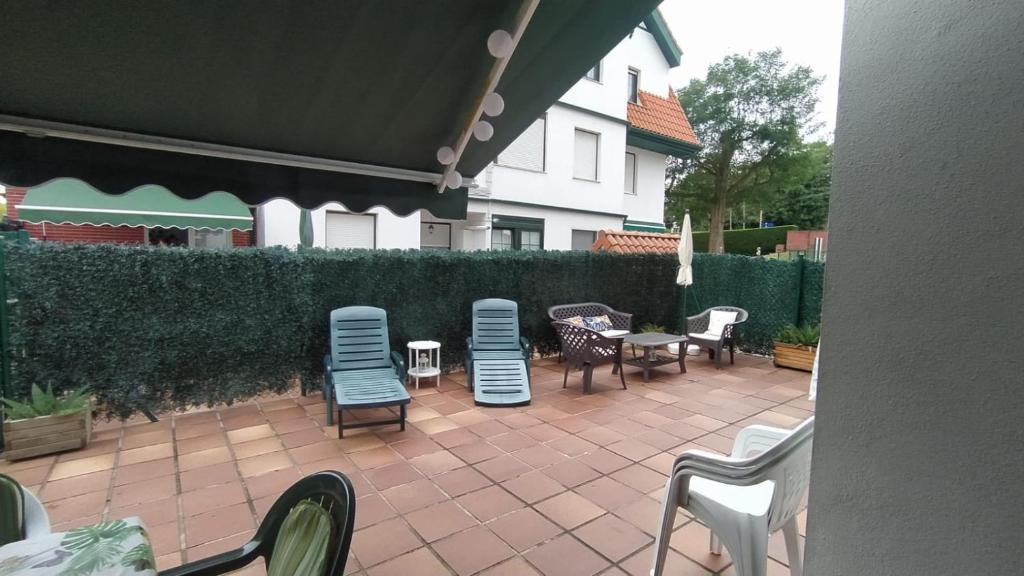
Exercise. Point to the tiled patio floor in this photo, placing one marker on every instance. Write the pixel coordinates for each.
(570, 485)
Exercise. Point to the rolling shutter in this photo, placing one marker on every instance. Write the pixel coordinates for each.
(526, 151)
(585, 165)
(350, 230)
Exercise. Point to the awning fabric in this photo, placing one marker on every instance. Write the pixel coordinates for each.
(384, 83)
(639, 226)
(69, 201)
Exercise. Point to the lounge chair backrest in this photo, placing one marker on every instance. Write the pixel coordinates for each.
(359, 338)
(495, 324)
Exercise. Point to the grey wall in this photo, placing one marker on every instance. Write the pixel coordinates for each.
(919, 449)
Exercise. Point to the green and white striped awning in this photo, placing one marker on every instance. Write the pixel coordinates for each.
(70, 201)
(640, 226)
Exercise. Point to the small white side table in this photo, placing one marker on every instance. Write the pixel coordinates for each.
(432, 364)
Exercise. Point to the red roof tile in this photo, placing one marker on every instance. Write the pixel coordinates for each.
(663, 116)
(628, 242)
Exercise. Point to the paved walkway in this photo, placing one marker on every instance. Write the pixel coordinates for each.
(570, 485)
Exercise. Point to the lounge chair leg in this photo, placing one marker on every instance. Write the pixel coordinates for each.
(732, 353)
(565, 377)
(341, 427)
(716, 545)
(402, 417)
(588, 373)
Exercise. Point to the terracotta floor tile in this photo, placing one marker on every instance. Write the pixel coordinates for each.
(145, 491)
(716, 442)
(566, 556)
(454, 437)
(371, 510)
(76, 485)
(75, 468)
(489, 503)
(317, 451)
(303, 437)
(420, 562)
(358, 440)
(76, 506)
(34, 475)
(272, 483)
(540, 455)
(145, 454)
(416, 447)
(220, 545)
(569, 509)
(218, 524)
(413, 496)
(250, 433)
(264, 463)
(393, 475)
(704, 422)
(66, 525)
(165, 538)
(189, 445)
(204, 500)
(612, 537)
(676, 564)
(383, 541)
(533, 487)
(544, 432)
(461, 481)
(375, 458)
(601, 435)
(153, 513)
(294, 425)
(571, 473)
(436, 425)
(633, 449)
(640, 478)
(524, 529)
(489, 428)
(477, 451)
(502, 468)
(469, 417)
(683, 431)
(512, 441)
(436, 463)
(208, 476)
(440, 520)
(146, 439)
(692, 541)
(338, 463)
(203, 458)
(513, 567)
(572, 445)
(473, 550)
(256, 447)
(604, 461)
(186, 431)
(661, 463)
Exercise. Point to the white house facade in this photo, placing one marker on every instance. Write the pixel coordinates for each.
(595, 160)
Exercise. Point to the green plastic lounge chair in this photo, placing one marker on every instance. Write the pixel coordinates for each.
(361, 371)
(22, 516)
(497, 358)
(307, 531)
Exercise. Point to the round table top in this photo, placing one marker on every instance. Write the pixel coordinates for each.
(653, 339)
(424, 345)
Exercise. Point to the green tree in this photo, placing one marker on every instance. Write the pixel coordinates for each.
(804, 202)
(750, 114)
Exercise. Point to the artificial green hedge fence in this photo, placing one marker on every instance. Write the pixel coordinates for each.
(169, 328)
(747, 240)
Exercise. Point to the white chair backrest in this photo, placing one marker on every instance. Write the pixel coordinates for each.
(788, 465)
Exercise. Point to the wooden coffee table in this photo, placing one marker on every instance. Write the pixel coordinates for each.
(650, 342)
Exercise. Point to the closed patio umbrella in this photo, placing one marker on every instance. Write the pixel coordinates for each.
(305, 228)
(685, 276)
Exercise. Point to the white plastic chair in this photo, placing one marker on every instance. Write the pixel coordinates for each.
(37, 521)
(745, 497)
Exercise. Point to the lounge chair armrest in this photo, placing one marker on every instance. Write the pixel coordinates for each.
(399, 363)
(469, 343)
(220, 564)
(757, 438)
(524, 343)
(327, 363)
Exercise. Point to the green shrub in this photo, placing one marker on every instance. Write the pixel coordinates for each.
(170, 328)
(804, 335)
(649, 327)
(746, 241)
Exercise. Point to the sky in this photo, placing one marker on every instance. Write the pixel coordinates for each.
(808, 31)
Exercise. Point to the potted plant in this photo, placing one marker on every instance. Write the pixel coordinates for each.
(651, 327)
(47, 423)
(795, 346)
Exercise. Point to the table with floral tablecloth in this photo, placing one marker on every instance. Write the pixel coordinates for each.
(112, 548)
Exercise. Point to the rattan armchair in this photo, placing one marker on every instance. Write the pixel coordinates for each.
(620, 320)
(697, 326)
(587, 348)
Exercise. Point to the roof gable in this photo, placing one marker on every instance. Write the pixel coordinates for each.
(657, 26)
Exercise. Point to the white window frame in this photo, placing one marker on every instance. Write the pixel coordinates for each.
(597, 155)
(227, 235)
(543, 152)
(634, 177)
(628, 95)
(600, 72)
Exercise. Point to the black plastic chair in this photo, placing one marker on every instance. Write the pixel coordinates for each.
(586, 349)
(330, 489)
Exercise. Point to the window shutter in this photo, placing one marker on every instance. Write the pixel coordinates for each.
(630, 187)
(350, 230)
(583, 239)
(526, 151)
(585, 166)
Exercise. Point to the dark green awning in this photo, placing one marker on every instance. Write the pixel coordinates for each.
(382, 83)
(69, 201)
(640, 226)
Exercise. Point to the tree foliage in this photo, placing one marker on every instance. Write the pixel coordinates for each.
(750, 114)
(803, 201)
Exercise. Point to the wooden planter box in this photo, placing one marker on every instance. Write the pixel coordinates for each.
(794, 356)
(47, 434)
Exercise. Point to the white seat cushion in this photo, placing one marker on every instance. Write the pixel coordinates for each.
(719, 319)
(613, 333)
(705, 335)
